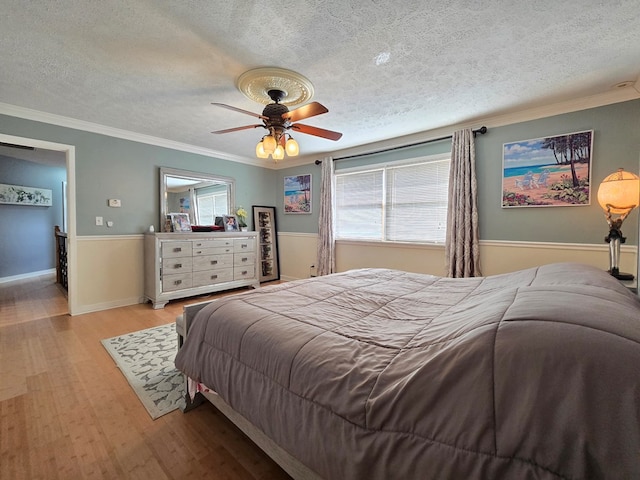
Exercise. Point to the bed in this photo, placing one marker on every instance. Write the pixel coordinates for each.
(381, 374)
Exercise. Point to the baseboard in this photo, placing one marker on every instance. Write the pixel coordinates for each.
(24, 276)
(286, 278)
(97, 307)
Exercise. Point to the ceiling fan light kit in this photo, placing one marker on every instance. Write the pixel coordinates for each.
(282, 88)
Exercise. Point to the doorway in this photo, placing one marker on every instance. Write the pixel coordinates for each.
(69, 159)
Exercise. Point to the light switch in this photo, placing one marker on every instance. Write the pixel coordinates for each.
(114, 202)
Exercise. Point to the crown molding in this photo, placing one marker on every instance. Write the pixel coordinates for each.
(59, 120)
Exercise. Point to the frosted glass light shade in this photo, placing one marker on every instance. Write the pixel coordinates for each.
(269, 144)
(292, 147)
(619, 192)
(260, 153)
(278, 153)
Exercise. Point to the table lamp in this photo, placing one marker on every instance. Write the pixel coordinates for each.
(618, 194)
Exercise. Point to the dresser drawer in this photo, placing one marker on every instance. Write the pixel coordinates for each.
(244, 271)
(171, 265)
(244, 245)
(176, 282)
(219, 243)
(212, 276)
(176, 249)
(212, 262)
(240, 259)
(198, 252)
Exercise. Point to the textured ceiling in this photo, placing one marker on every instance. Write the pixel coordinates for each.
(383, 69)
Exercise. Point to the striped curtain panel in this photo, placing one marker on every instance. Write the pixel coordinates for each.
(326, 242)
(462, 251)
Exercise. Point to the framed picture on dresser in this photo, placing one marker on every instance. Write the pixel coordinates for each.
(180, 222)
(264, 223)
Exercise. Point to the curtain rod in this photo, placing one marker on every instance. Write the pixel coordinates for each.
(482, 130)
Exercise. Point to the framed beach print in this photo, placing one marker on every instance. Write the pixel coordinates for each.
(180, 222)
(548, 171)
(230, 223)
(297, 194)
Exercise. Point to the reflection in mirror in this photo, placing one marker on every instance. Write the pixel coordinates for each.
(201, 195)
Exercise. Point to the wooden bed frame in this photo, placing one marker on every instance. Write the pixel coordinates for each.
(286, 461)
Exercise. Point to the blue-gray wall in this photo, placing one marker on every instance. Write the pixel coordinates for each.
(109, 167)
(26, 237)
(616, 145)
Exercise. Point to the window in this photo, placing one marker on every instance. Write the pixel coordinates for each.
(210, 206)
(401, 202)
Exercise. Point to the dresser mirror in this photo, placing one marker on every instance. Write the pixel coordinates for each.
(202, 196)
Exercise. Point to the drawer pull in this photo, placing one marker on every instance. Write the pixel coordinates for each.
(244, 245)
(245, 259)
(177, 282)
(214, 262)
(177, 249)
(213, 277)
(177, 265)
(199, 252)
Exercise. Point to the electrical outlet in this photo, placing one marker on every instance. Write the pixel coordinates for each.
(114, 202)
(99, 221)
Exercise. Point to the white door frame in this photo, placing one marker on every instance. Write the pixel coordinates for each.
(72, 250)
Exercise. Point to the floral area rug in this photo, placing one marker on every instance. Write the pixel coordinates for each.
(146, 360)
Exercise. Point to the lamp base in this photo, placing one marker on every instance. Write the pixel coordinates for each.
(621, 275)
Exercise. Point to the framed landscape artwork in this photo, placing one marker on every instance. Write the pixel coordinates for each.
(297, 194)
(548, 171)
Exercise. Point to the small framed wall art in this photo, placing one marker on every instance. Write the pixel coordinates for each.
(297, 194)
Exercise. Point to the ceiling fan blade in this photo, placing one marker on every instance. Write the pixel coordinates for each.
(309, 110)
(237, 129)
(236, 109)
(318, 132)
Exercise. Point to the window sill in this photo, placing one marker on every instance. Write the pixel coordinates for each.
(387, 244)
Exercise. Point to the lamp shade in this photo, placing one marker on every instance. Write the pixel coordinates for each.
(619, 193)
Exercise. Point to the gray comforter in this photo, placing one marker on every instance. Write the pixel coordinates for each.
(382, 374)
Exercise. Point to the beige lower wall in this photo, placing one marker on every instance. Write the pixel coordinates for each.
(501, 257)
(298, 253)
(110, 272)
(110, 268)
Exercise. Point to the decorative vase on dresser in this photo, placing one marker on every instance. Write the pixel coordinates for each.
(179, 265)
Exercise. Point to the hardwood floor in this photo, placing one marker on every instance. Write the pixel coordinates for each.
(67, 412)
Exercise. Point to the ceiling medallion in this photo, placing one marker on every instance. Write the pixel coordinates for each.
(255, 85)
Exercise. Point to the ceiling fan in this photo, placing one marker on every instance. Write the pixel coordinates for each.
(278, 120)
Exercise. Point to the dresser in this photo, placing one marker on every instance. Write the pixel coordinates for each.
(179, 265)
